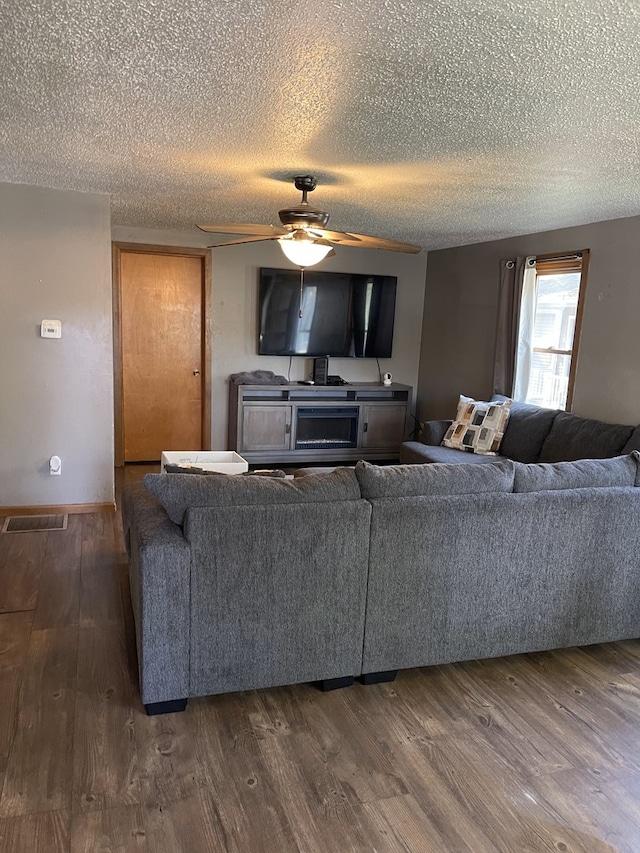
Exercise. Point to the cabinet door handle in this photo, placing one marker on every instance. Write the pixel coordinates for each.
(365, 427)
(287, 428)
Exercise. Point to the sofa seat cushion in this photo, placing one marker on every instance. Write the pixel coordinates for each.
(400, 481)
(574, 438)
(178, 492)
(478, 426)
(526, 430)
(415, 451)
(580, 474)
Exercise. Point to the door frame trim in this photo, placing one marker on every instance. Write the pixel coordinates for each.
(144, 248)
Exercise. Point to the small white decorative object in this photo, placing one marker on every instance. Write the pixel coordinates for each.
(386, 378)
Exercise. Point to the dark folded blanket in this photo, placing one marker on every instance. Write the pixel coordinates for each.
(193, 469)
(258, 377)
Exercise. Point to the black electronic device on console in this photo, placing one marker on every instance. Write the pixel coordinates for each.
(336, 380)
(321, 370)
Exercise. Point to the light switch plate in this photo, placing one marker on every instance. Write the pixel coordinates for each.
(51, 329)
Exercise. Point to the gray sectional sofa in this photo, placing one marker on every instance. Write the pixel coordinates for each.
(246, 582)
(533, 434)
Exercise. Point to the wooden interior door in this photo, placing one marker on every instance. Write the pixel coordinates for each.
(161, 315)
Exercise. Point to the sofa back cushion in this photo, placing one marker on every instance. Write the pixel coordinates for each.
(581, 474)
(527, 428)
(573, 438)
(634, 441)
(178, 492)
(400, 481)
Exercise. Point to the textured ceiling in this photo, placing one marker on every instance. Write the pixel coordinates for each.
(439, 122)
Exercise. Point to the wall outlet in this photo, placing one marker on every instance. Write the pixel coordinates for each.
(51, 329)
(55, 466)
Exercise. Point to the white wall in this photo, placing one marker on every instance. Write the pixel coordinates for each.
(461, 314)
(56, 396)
(235, 312)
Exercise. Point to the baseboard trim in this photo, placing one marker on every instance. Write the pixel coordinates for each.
(58, 509)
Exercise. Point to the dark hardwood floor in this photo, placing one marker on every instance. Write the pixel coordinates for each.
(531, 753)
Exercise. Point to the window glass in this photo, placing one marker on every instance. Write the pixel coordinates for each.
(553, 339)
(549, 380)
(554, 327)
(556, 307)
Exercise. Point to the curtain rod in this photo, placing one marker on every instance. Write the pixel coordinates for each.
(572, 257)
(546, 259)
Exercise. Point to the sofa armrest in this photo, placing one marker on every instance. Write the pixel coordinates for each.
(434, 431)
(159, 577)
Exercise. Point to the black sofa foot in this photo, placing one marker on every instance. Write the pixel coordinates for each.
(170, 707)
(334, 683)
(379, 677)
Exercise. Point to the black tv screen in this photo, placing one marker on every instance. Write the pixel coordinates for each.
(337, 314)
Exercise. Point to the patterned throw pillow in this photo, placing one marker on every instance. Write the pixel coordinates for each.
(478, 426)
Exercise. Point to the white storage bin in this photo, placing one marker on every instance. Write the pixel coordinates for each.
(222, 461)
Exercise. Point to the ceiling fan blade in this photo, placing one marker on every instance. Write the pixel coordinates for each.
(364, 241)
(243, 240)
(335, 236)
(266, 231)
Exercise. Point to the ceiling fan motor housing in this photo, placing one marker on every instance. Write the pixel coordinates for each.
(303, 216)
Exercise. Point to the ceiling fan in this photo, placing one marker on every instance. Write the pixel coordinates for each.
(303, 235)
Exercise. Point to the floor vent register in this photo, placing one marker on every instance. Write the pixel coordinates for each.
(34, 523)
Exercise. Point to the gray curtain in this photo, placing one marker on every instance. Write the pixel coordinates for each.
(511, 278)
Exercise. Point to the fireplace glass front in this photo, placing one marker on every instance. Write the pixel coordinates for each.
(326, 427)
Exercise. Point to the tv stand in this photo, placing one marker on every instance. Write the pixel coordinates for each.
(296, 424)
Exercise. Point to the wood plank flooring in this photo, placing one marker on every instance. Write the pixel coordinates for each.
(530, 753)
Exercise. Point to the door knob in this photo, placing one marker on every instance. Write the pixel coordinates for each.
(196, 373)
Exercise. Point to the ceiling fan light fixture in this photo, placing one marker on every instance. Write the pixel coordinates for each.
(303, 234)
(304, 251)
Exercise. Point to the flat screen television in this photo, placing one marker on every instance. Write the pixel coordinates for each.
(344, 315)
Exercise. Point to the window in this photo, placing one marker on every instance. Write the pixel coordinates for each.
(549, 329)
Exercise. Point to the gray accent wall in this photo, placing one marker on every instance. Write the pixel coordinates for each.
(461, 298)
(56, 396)
(234, 271)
